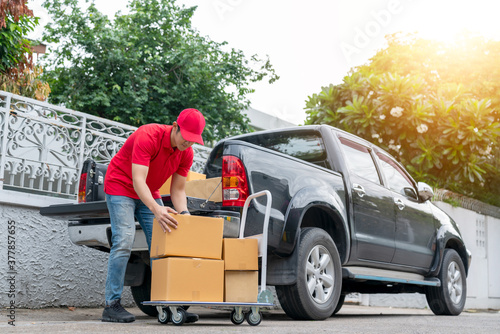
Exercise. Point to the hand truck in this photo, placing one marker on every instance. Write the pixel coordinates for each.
(174, 311)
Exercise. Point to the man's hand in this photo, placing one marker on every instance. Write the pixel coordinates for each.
(162, 213)
(166, 221)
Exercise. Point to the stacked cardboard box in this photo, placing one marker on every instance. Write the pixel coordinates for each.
(187, 264)
(210, 189)
(187, 279)
(197, 185)
(165, 189)
(195, 236)
(241, 267)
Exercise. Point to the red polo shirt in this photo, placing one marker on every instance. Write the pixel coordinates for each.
(149, 146)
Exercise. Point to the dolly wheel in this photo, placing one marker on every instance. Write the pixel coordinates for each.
(253, 318)
(179, 317)
(237, 318)
(163, 315)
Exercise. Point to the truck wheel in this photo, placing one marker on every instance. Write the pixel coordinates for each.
(319, 280)
(449, 298)
(142, 293)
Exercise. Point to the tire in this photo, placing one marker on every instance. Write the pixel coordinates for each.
(319, 300)
(179, 318)
(237, 318)
(449, 298)
(253, 319)
(340, 303)
(164, 316)
(142, 293)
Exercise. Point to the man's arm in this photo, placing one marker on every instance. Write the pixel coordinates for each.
(139, 175)
(178, 192)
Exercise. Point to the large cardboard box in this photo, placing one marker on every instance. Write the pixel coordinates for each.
(210, 189)
(194, 236)
(240, 254)
(165, 188)
(187, 279)
(241, 286)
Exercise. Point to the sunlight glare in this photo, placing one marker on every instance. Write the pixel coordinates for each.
(446, 22)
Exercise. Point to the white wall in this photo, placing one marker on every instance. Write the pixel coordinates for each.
(48, 270)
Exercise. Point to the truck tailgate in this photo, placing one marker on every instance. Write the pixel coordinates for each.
(98, 209)
(77, 211)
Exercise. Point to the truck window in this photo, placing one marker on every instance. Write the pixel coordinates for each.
(213, 167)
(398, 180)
(307, 146)
(359, 160)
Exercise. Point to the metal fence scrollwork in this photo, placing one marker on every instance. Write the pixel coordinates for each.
(43, 146)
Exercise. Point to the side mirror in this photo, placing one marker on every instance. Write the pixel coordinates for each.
(425, 191)
(410, 192)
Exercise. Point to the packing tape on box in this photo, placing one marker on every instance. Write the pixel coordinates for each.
(196, 295)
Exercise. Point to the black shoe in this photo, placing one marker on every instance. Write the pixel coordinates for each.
(116, 313)
(191, 317)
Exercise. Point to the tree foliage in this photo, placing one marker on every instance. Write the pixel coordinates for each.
(146, 66)
(26, 83)
(15, 51)
(15, 9)
(17, 72)
(433, 105)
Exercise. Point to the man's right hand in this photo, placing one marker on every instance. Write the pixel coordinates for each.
(166, 221)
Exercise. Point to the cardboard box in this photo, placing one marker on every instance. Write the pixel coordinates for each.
(165, 188)
(195, 236)
(241, 286)
(210, 189)
(187, 279)
(240, 254)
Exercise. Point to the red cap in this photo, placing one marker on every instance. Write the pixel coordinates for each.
(192, 123)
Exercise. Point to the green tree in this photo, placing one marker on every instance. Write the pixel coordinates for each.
(146, 66)
(15, 48)
(17, 71)
(433, 105)
(16, 20)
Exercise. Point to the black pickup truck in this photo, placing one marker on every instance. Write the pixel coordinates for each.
(346, 217)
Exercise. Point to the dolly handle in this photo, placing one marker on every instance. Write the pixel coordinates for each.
(263, 240)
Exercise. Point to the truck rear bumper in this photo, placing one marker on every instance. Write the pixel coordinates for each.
(99, 236)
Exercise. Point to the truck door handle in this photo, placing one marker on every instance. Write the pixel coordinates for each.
(359, 189)
(399, 203)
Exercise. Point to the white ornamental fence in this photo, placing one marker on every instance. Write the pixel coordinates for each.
(43, 146)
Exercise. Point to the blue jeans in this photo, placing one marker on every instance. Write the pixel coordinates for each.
(123, 211)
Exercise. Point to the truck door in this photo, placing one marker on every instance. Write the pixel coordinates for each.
(373, 209)
(415, 230)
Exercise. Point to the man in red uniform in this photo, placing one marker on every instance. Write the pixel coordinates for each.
(152, 154)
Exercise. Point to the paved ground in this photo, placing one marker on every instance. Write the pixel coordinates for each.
(351, 319)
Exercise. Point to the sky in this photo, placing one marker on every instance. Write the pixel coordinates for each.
(315, 43)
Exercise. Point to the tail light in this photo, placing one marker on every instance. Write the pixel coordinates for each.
(82, 188)
(234, 182)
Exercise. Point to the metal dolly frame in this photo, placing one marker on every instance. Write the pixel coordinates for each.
(173, 310)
